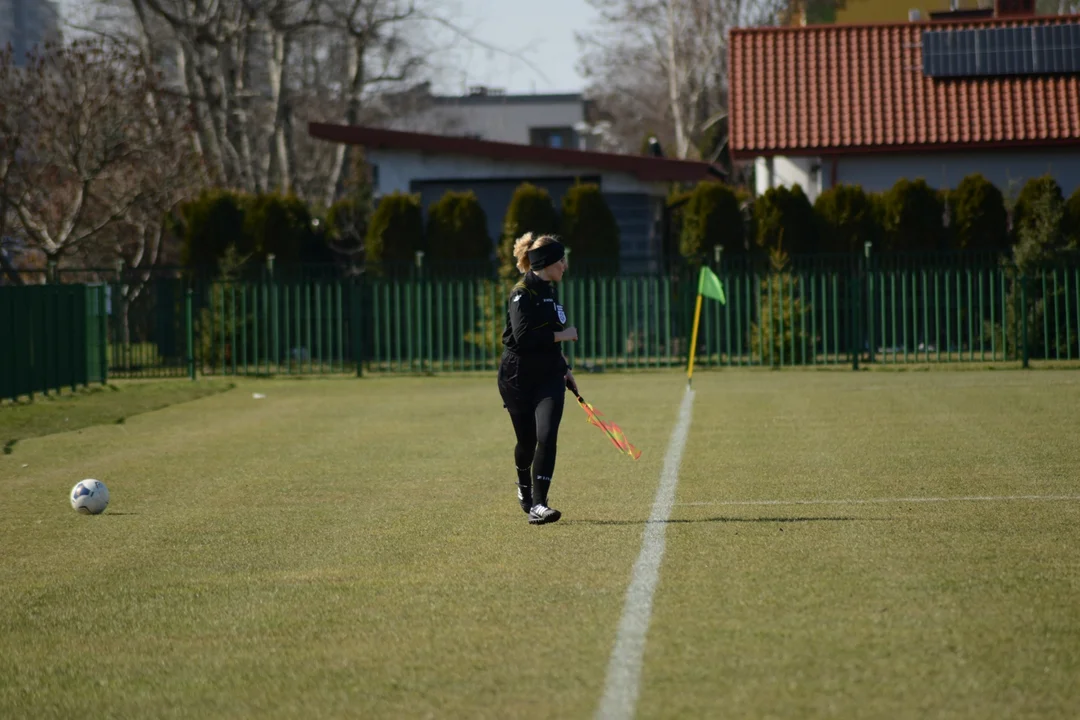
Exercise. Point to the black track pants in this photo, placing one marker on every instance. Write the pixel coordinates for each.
(537, 436)
(536, 409)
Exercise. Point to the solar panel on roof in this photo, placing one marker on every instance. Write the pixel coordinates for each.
(1030, 50)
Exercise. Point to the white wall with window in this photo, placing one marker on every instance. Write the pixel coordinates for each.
(780, 171)
(1008, 170)
(877, 172)
(545, 120)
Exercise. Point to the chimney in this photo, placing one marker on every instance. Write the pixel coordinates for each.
(913, 15)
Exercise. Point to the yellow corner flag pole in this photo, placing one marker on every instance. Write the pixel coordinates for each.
(693, 341)
(708, 286)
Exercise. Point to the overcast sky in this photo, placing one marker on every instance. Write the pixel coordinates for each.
(542, 30)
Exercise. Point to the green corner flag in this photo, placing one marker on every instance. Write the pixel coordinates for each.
(710, 286)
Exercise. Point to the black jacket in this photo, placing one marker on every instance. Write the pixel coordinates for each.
(533, 316)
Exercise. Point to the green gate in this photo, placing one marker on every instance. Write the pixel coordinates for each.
(51, 336)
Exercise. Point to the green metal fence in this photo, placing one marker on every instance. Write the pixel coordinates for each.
(894, 316)
(771, 319)
(51, 336)
(825, 314)
(146, 329)
(277, 328)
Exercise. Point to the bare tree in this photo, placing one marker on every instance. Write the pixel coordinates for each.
(204, 46)
(10, 113)
(141, 241)
(82, 144)
(281, 21)
(254, 71)
(6, 261)
(660, 66)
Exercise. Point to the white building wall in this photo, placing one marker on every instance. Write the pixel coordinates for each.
(879, 172)
(1007, 170)
(788, 171)
(497, 119)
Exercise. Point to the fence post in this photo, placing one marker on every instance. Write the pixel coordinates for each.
(188, 301)
(718, 254)
(869, 301)
(357, 328)
(854, 311)
(1023, 319)
(273, 337)
(103, 332)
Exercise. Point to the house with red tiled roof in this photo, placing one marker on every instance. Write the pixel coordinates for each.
(939, 99)
(635, 186)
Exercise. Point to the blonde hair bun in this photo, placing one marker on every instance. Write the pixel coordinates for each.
(524, 244)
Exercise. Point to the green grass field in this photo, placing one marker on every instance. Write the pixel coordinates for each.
(67, 411)
(353, 548)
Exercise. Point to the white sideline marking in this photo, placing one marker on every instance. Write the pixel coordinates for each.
(624, 668)
(869, 501)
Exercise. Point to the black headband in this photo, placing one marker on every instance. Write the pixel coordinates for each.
(541, 257)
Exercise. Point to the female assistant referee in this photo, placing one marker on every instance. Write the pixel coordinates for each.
(534, 373)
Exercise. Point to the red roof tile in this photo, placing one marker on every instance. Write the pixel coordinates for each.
(860, 88)
(643, 167)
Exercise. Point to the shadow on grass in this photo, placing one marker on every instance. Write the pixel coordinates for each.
(93, 406)
(587, 521)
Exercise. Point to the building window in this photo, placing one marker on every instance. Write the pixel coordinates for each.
(559, 137)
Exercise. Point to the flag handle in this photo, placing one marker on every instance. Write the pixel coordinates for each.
(693, 341)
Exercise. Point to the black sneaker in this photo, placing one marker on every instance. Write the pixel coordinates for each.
(542, 514)
(525, 497)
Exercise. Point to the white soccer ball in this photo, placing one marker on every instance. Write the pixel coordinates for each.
(90, 497)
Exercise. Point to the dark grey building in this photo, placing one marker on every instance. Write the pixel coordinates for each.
(635, 186)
